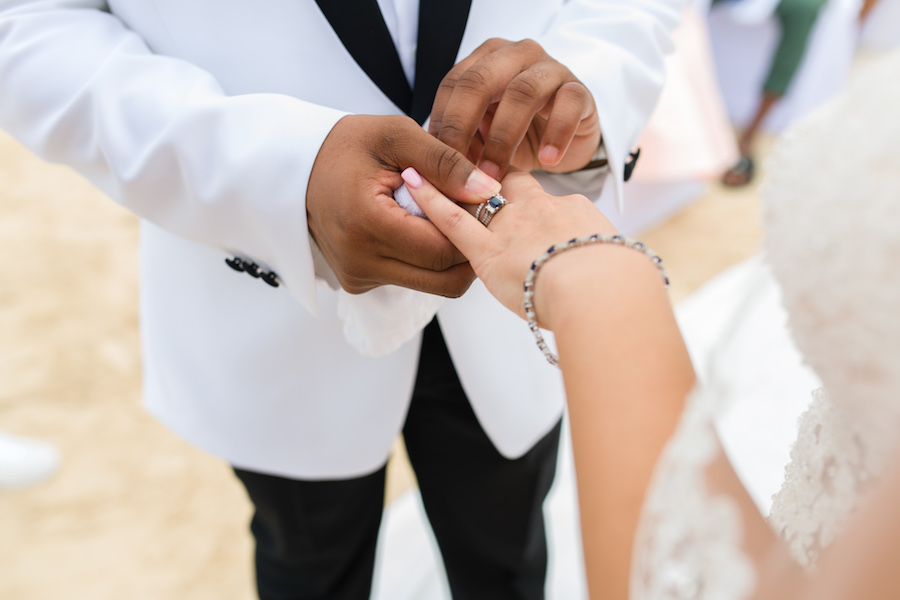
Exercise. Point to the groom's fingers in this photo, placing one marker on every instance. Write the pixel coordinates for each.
(414, 240)
(461, 228)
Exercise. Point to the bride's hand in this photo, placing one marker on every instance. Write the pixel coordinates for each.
(501, 254)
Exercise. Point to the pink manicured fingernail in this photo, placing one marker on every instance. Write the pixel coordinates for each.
(412, 178)
(490, 168)
(548, 155)
(482, 185)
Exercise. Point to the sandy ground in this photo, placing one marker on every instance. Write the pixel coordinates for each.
(136, 512)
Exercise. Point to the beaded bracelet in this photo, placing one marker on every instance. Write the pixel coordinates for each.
(597, 238)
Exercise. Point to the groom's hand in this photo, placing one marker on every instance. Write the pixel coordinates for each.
(367, 239)
(511, 104)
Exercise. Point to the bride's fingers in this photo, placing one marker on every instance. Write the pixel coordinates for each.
(461, 228)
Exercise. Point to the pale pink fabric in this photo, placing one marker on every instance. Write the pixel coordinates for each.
(689, 136)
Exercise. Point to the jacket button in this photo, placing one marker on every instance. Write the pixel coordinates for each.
(235, 263)
(252, 268)
(271, 278)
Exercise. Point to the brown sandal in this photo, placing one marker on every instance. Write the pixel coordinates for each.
(740, 174)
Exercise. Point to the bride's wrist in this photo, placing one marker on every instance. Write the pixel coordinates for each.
(578, 280)
(564, 284)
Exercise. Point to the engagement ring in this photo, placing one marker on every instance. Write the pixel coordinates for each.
(487, 210)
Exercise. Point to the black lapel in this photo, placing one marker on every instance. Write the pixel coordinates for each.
(361, 28)
(441, 27)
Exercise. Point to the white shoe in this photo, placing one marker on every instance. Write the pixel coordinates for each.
(25, 462)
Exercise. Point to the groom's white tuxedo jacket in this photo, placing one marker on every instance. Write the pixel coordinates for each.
(204, 117)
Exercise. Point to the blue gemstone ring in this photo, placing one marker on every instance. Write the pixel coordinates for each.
(487, 210)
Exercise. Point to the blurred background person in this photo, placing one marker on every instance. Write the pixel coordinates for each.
(778, 60)
(796, 19)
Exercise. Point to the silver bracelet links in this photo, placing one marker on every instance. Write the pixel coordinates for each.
(597, 238)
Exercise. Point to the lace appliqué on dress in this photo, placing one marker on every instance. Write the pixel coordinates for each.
(830, 464)
(688, 544)
(831, 222)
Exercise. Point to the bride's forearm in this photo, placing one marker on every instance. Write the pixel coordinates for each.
(627, 373)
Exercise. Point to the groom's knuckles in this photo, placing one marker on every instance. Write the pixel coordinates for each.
(444, 162)
(444, 167)
(405, 144)
(445, 258)
(569, 107)
(451, 283)
(473, 93)
(459, 127)
(466, 93)
(531, 87)
(436, 254)
(524, 98)
(434, 258)
(491, 45)
(450, 81)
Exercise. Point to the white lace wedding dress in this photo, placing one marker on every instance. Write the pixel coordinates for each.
(833, 242)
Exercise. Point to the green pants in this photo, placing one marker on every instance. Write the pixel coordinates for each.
(796, 18)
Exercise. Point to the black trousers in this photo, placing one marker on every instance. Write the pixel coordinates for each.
(316, 539)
